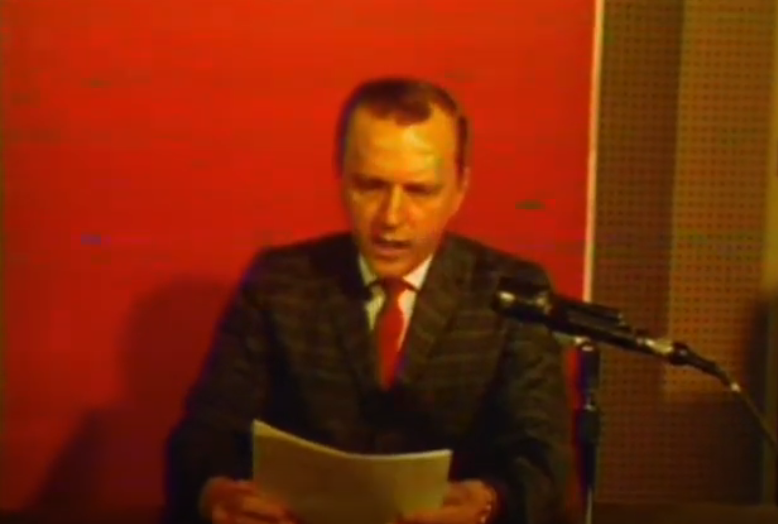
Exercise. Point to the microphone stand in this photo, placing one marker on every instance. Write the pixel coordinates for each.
(588, 419)
(595, 324)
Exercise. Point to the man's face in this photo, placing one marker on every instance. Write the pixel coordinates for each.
(400, 188)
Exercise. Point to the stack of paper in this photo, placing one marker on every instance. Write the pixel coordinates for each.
(323, 485)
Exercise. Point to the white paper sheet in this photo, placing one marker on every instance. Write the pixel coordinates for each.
(326, 486)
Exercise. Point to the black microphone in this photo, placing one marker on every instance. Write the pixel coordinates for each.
(531, 302)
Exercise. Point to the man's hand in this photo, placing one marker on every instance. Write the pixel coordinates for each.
(227, 501)
(469, 502)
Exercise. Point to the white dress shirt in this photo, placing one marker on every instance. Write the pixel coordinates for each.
(407, 298)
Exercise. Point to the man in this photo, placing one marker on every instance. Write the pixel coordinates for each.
(384, 340)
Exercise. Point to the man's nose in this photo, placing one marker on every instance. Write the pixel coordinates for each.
(392, 208)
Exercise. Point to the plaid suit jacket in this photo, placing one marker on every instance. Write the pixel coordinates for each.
(294, 349)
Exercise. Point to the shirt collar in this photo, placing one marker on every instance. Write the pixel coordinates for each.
(415, 278)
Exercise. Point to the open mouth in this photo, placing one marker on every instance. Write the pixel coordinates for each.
(389, 248)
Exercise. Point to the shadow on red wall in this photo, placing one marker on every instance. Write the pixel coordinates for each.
(114, 459)
(164, 344)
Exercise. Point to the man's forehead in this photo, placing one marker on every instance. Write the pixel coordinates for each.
(433, 135)
(408, 170)
(415, 162)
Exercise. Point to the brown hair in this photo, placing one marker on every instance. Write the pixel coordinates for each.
(408, 101)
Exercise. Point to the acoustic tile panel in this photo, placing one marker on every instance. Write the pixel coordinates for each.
(684, 148)
(766, 326)
(636, 160)
(719, 205)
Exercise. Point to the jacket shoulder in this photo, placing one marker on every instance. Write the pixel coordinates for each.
(297, 262)
(498, 263)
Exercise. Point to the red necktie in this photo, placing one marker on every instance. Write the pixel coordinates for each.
(389, 329)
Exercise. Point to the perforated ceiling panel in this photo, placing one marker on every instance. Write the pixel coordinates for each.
(680, 226)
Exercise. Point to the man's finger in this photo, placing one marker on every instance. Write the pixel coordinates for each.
(446, 515)
(220, 516)
(455, 495)
(251, 519)
(263, 507)
(247, 486)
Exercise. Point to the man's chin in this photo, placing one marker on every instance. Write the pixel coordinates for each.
(391, 267)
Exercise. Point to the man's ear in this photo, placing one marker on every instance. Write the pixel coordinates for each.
(463, 184)
(464, 179)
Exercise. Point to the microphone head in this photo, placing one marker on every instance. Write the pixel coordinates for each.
(529, 299)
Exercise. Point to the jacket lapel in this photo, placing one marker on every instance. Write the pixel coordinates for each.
(435, 304)
(345, 298)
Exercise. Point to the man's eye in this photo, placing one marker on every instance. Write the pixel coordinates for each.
(367, 184)
(421, 190)
(370, 185)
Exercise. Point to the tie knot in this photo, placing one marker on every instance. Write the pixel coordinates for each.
(393, 287)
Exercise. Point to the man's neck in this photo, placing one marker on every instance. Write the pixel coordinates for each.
(415, 277)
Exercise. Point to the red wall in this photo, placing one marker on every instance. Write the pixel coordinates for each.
(150, 146)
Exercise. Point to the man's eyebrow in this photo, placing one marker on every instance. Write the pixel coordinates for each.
(365, 176)
(426, 185)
